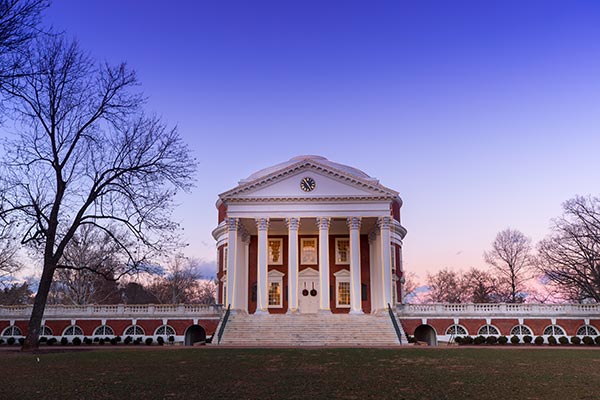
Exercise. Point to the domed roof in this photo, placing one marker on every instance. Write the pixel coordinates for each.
(345, 169)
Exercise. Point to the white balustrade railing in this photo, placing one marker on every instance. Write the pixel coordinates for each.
(115, 311)
(498, 309)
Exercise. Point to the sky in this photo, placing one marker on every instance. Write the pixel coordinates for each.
(482, 115)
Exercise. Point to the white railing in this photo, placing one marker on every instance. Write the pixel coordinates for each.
(116, 311)
(498, 309)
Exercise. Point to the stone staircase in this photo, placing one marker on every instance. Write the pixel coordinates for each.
(310, 330)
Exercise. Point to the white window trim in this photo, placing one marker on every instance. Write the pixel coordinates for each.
(342, 276)
(280, 260)
(275, 277)
(337, 251)
(316, 260)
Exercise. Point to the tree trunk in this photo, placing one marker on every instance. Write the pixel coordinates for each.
(39, 305)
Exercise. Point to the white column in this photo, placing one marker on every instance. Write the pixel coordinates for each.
(355, 280)
(386, 258)
(241, 280)
(232, 227)
(262, 224)
(373, 270)
(323, 224)
(293, 224)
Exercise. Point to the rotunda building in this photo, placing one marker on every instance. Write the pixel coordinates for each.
(309, 235)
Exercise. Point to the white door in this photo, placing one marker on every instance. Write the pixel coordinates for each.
(308, 292)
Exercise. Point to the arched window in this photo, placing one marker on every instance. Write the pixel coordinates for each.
(456, 330)
(104, 330)
(587, 330)
(488, 330)
(12, 331)
(134, 330)
(45, 331)
(554, 330)
(73, 330)
(165, 330)
(521, 330)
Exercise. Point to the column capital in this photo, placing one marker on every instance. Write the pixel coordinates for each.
(232, 224)
(373, 235)
(323, 223)
(353, 223)
(384, 222)
(293, 224)
(262, 224)
(245, 237)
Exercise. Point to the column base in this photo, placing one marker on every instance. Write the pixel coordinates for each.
(380, 311)
(261, 312)
(324, 312)
(293, 312)
(356, 312)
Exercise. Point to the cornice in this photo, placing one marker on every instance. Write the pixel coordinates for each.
(313, 199)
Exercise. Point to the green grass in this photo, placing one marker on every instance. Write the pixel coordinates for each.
(213, 373)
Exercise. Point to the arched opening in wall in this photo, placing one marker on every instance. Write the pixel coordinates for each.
(425, 333)
(194, 334)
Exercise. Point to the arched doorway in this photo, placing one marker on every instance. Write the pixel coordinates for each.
(425, 333)
(194, 334)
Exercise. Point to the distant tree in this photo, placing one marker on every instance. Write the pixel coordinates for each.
(205, 292)
(9, 262)
(409, 286)
(136, 293)
(481, 287)
(445, 286)
(86, 155)
(16, 294)
(180, 282)
(570, 256)
(512, 259)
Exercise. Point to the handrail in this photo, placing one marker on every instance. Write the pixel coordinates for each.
(222, 328)
(395, 323)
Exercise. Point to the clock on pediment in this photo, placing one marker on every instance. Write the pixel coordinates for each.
(307, 184)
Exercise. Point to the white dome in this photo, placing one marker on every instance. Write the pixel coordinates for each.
(351, 171)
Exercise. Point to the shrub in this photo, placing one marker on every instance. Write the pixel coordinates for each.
(468, 340)
(76, 341)
(588, 341)
(64, 341)
(101, 341)
(479, 340)
(539, 340)
(21, 341)
(491, 340)
(128, 340)
(575, 340)
(597, 340)
(96, 339)
(515, 339)
(552, 340)
(43, 339)
(160, 340)
(87, 341)
(118, 339)
(410, 339)
(1, 341)
(149, 341)
(563, 340)
(113, 341)
(527, 339)
(10, 341)
(502, 340)
(171, 339)
(52, 341)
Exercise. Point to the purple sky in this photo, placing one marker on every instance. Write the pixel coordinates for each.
(482, 116)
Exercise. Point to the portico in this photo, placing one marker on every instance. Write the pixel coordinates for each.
(309, 235)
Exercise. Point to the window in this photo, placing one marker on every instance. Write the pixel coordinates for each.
(73, 330)
(275, 251)
(342, 288)
(225, 257)
(488, 330)
(456, 330)
(104, 331)
(343, 298)
(275, 294)
(520, 330)
(12, 331)
(165, 330)
(275, 288)
(587, 330)
(308, 251)
(45, 331)
(554, 330)
(134, 330)
(342, 251)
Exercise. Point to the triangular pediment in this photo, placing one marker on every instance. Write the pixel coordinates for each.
(329, 183)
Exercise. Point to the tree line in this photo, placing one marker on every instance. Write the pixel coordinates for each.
(566, 264)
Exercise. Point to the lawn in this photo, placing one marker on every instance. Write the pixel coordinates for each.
(220, 373)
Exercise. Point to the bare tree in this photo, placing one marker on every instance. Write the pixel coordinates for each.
(409, 285)
(86, 155)
(445, 286)
(570, 256)
(511, 257)
(179, 283)
(9, 262)
(482, 287)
